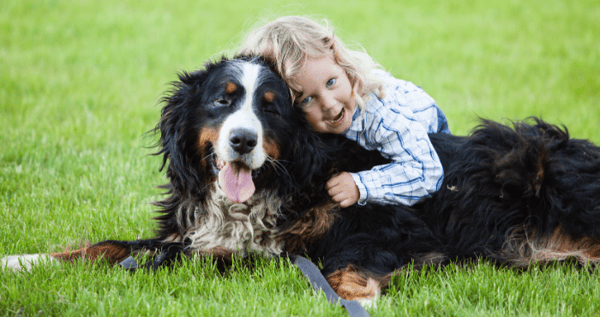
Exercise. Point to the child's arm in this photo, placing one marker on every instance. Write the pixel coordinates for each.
(390, 126)
(416, 171)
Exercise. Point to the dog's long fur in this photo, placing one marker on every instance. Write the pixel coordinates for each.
(511, 194)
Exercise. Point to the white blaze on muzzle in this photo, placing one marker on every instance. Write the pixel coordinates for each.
(236, 162)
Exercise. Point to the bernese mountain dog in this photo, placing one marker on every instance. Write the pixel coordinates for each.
(246, 176)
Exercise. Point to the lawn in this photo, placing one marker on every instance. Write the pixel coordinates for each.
(79, 88)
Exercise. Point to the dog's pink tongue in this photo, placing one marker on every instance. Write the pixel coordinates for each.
(236, 182)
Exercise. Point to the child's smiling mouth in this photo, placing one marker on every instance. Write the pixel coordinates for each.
(339, 119)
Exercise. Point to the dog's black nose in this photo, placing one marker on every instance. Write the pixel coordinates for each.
(242, 140)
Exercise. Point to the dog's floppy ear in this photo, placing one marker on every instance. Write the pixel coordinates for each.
(175, 140)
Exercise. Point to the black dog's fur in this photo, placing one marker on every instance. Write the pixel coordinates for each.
(513, 195)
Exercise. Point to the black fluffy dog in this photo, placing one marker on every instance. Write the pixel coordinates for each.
(246, 175)
(514, 195)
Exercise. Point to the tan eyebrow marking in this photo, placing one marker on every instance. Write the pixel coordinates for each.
(230, 88)
(269, 96)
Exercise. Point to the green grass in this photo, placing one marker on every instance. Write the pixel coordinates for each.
(79, 85)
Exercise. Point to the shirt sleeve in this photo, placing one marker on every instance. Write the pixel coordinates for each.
(416, 170)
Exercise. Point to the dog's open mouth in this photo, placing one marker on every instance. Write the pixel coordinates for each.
(235, 179)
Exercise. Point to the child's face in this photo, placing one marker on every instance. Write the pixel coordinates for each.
(327, 98)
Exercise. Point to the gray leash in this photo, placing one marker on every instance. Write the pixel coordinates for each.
(318, 282)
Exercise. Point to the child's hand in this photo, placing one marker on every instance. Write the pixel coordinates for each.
(342, 189)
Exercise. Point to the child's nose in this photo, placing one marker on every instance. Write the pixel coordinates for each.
(328, 103)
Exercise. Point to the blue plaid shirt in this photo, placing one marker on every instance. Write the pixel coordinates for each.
(397, 126)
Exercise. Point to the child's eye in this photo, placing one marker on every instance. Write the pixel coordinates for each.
(306, 100)
(330, 82)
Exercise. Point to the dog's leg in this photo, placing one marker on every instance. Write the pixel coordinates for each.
(522, 249)
(223, 257)
(26, 261)
(110, 250)
(352, 284)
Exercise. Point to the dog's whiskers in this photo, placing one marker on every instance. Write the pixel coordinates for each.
(209, 155)
(277, 166)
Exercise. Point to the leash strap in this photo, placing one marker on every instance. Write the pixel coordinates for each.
(318, 282)
(129, 263)
(316, 279)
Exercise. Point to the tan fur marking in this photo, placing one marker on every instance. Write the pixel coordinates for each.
(217, 252)
(350, 285)
(310, 227)
(108, 251)
(539, 176)
(269, 96)
(524, 249)
(560, 246)
(230, 88)
(271, 148)
(207, 135)
(175, 237)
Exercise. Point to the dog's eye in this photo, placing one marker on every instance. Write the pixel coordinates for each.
(272, 111)
(221, 102)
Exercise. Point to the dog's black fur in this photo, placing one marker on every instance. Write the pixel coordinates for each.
(512, 194)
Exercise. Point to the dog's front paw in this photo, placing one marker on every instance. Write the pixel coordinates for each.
(26, 261)
(368, 303)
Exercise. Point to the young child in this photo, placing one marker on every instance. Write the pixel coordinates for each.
(345, 92)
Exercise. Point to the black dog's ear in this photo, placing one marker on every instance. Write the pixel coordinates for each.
(175, 138)
(173, 114)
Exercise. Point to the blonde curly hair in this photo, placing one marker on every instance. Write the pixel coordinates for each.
(289, 41)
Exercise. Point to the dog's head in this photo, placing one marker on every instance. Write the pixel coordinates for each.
(232, 125)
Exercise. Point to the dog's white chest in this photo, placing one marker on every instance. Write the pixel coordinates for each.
(247, 228)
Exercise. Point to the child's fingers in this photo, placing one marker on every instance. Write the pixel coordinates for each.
(338, 197)
(345, 200)
(346, 203)
(341, 179)
(342, 189)
(332, 182)
(343, 196)
(335, 190)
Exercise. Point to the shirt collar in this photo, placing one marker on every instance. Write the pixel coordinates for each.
(358, 120)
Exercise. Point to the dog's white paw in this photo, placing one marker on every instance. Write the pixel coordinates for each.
(25, 261)
(368, 303)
